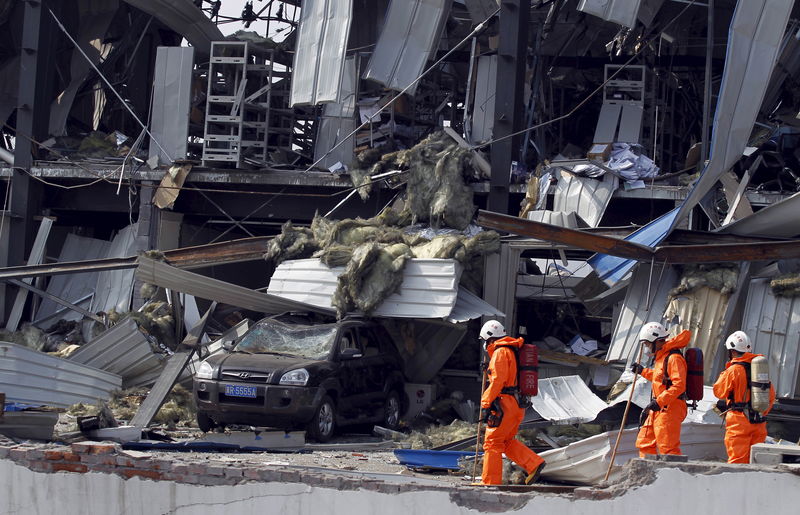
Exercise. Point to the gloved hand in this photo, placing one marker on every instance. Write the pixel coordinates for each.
(637, 368)
(484, 415)
(653, 406)
(722, 405)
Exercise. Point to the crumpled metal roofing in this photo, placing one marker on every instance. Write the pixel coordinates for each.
(166, 276)
(124, 350)
(429, 289)
(585, 196)
(410, 37)
(32, 377)
(320, 52)
(567, 400)
(185, 18)
(769, 222)
(114, 287)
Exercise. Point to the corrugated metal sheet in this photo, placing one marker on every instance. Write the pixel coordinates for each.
(171, 102)
(483, 105)
(635, 310)
(773, 324)
(567, 400)
(185, 18)
(429, 287)
(469, 306)
(558, 218)
(125, 351)
(409, 38)
(114, 288)
(702, 312)
(585, 196)
(72, 287)
(166, 276)
(612, 268)
(32, 377)
(586, 461)
(769, 222)
(320, 52)
(617, 11)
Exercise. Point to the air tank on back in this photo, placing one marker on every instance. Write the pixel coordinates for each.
(759, 384)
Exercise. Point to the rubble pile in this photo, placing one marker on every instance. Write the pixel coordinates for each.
(177, 411)
(437, 435)
(59, 336)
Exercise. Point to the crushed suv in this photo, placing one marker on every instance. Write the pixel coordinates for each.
(289, 376)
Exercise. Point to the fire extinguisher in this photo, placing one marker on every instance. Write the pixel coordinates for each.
(528, 369)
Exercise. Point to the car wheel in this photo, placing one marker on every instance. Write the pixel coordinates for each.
(204, 422)
(323, 424)
(391, 411)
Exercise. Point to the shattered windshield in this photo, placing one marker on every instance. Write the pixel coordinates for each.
(270, 336)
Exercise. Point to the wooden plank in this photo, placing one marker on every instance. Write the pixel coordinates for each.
(175, 365)
(35, 257)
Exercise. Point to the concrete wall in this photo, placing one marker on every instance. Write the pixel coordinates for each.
(649, 488)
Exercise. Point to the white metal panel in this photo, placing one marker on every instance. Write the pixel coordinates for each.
(630, 124)
(567, 400)
(586, 461)
(409, 38)
(606, 130)
(754, 37)
(429, 287)
(469, 306)
(72, 287)
(337, 122)
(558, 218)
(585, 196)
(773, 324)
(483, 105)
(778, 220)
(172, 85)
(617, 11)
(125, 351)
(32, 377)
(636, 310)
(114, 288)
(320, 51)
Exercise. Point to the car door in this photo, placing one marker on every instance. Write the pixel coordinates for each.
(374, 362)
(353, 377)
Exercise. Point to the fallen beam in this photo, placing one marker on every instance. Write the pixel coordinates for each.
(572, 237)
(57, 300)
(766, 251)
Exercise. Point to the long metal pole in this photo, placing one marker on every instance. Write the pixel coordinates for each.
(624, 416)
(478, 438)
(707, 94)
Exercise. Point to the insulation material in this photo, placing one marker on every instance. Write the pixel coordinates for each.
(702, 311)
(374, 273)
(320, 52)
(409, 38)
(291, 243)
(178, 409)
(786, 285)
(721, 277)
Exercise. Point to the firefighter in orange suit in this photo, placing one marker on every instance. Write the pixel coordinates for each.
(501, 411)
(732, 387)
(661, 431)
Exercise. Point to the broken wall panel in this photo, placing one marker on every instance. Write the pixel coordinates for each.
(616, 11)
(483, 104)
(35, 378)
(123, 350)
(172, 85)
(320, 52)
(337, 122)
(114, 288)
(585, 196)
(770, 222)
(409, 38)
(638, 309)
(773, 324)
(72, 287)
(567, 400)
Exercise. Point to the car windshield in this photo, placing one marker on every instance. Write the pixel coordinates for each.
(270, 336)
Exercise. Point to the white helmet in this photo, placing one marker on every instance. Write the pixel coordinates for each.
(738, 341)
(492, 329)
(652, 331)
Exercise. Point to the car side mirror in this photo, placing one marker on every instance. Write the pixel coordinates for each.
(228, 345)
(349, 354)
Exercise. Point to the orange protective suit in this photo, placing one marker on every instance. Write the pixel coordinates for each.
(661, 432)
(740, 433)
(502, 374)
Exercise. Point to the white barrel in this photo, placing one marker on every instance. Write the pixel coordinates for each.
(759, 384)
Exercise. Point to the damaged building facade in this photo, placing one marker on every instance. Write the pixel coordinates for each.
(177, 170)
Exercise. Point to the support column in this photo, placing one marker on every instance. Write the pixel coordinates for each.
(508, 110)
(146, 231)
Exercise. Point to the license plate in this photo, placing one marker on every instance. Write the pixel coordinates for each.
(233, 390)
